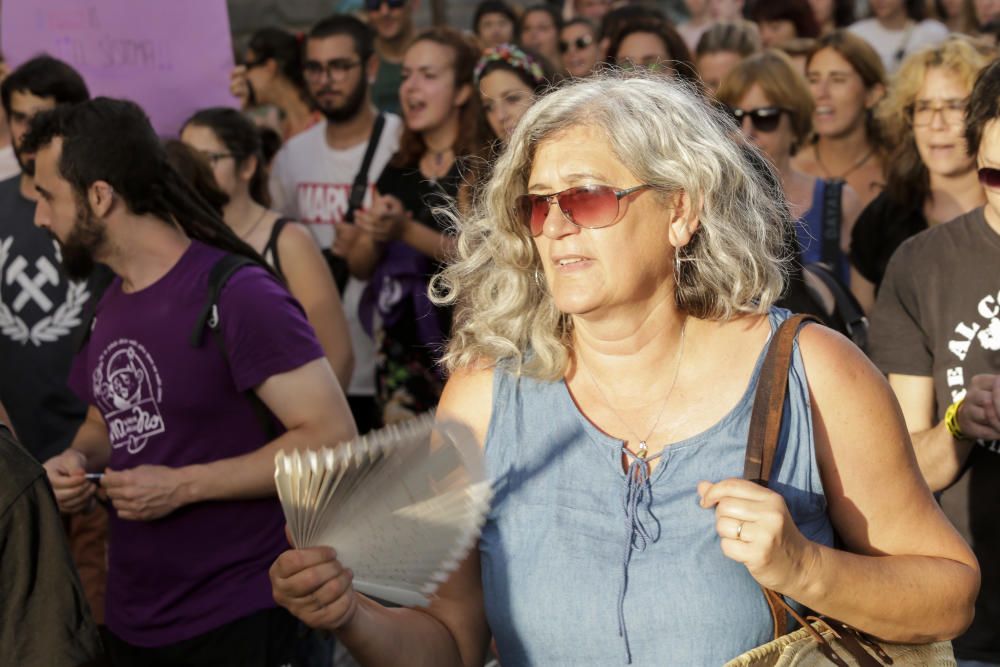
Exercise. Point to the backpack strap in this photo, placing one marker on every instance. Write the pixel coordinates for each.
(846, 305)
(221, 272)
(832, 196)
(360, 185)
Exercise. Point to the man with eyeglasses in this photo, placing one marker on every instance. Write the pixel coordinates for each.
(392, 21)
(314, 173)
(936, 333)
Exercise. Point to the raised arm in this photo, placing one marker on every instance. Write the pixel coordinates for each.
(452, 632)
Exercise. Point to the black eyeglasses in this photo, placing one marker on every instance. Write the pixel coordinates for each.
(578, 44)
(764, 119)
(213, 158)
(952, 112)
(315, 70)
(990, 177)
(250, 64)
(588, 206)
(374, 5)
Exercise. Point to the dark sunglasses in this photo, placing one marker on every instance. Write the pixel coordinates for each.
(764, 119)
(374, 5)
(587, 206)
(578, 44)
(990, 177)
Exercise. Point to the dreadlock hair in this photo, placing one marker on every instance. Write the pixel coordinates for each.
(113, 141)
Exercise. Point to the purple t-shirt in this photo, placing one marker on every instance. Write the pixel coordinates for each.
(167, 403)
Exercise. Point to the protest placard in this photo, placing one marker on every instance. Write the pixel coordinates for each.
(170, 56)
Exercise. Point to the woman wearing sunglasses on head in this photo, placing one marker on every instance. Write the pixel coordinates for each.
(402, 242)
(931, 176)
(613, 295)
(579, 48)
(847, 80)
(772, 105)
(271, 74)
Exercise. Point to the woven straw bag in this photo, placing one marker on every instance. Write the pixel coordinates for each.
(820, 641)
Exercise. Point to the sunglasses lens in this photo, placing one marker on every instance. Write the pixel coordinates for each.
(591, 206)
(531, 210)
(990, 177)
(765, 123)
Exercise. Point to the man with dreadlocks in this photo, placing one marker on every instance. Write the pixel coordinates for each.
(176, 423)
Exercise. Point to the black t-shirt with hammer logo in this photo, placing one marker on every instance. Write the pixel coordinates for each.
(938, 316)
(41, 313)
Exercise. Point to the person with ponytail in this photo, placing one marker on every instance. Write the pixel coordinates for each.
(193, 384)
(231, 145)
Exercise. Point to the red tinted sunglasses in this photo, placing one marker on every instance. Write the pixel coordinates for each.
(989, 177)
(587, 206)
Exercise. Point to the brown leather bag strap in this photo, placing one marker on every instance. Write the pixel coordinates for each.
(769, 401)
(765, 428)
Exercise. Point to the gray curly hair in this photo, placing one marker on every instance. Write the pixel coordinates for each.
(669, 137)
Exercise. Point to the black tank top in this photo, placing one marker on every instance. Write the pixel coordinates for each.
(270, 252)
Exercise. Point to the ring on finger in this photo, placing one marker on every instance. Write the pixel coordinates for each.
(739, 530)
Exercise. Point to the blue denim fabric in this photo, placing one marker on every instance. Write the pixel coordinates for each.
(552, 548)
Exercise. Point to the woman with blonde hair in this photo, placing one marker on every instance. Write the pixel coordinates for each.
(931, 178)
(770, 100)
(847, 80)
(613, 296)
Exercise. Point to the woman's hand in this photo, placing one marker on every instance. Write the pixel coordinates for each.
(314, 587)
(385, 220)
(239, 86)
(757, 530)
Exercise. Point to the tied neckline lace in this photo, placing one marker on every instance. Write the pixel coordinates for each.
(638, 496)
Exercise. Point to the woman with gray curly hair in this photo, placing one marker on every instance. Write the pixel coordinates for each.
(613, 297)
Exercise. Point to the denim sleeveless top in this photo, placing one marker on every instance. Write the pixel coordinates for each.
(560, 540)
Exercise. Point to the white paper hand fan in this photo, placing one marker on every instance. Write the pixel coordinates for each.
(402, 506)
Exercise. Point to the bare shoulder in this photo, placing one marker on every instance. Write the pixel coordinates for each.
(851, 203)
(838, 372)
(295, 239)
(468, 398)
(805, 160)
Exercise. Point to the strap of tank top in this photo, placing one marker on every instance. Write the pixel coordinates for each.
(271, 247)
(765, 429)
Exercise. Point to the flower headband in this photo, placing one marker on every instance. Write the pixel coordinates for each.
(513, 56)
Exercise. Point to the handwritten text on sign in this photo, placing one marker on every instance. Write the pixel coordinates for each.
(171, 56)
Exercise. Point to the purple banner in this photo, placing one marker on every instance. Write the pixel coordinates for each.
(170, 56)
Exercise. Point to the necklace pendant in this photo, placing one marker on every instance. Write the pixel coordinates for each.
(643, 450)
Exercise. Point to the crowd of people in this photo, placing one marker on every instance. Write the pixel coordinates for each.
(573, 226)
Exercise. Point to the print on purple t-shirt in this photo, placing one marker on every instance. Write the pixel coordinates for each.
(167, 403)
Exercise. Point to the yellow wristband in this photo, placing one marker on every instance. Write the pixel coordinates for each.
(951, 421)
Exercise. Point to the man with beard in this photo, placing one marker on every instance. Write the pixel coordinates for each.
(182, 431)
(393, 24)
(42, 311)
(313, 174)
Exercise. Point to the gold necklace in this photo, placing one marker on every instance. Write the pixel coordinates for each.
(643, 442)
(854, 167)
